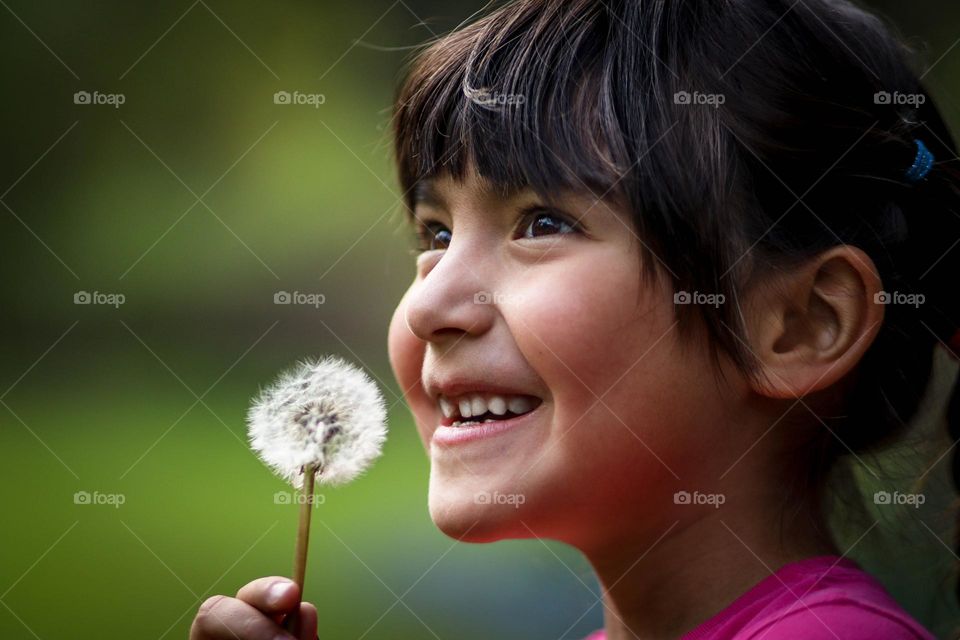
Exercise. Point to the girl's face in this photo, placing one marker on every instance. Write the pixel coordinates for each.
(542, 310)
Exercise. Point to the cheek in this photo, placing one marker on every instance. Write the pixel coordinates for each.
(582, 332)
(626, 400)
(406, 358)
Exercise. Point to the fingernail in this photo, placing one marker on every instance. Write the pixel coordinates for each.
(279, 590)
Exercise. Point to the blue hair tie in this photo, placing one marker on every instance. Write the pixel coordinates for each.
(922, 164)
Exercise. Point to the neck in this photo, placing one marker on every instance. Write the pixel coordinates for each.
(662, 584)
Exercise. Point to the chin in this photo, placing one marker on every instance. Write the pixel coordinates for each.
(463, 515)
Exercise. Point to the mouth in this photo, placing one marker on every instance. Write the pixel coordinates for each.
(475, 416)
(472, 409)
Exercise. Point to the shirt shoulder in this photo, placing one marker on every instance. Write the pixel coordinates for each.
(836, 615)
(818, 598)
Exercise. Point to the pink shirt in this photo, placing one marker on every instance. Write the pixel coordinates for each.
(821, 598)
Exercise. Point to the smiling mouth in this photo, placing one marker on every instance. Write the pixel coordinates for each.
(471, 409)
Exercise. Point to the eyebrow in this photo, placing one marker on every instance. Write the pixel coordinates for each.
(425, 193)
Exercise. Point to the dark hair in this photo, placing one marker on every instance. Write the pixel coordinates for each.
(743, 136)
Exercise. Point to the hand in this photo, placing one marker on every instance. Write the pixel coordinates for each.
(256, 613)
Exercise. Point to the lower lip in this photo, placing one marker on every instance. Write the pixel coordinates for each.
(447, 436)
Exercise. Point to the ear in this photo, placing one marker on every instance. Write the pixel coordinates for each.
(810, 326)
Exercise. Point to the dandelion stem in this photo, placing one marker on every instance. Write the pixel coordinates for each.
(292, 622)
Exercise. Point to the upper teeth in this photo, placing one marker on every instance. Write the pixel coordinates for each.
(476, 404)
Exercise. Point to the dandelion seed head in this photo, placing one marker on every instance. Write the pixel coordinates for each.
(325, 412)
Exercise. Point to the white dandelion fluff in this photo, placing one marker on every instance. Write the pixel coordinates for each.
(322, 421)
(324, 414)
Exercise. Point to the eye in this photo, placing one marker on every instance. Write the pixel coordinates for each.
(544, 222)
(432, 236)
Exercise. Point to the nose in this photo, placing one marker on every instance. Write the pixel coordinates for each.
(450, 300)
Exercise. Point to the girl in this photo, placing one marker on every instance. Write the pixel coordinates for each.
(683, 263)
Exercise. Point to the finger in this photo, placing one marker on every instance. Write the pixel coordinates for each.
(272, 595)
(223, 618)
(308, 621)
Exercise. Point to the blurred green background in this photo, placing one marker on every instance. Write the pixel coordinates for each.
(197, 200)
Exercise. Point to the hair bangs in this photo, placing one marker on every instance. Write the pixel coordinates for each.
(516, 97)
